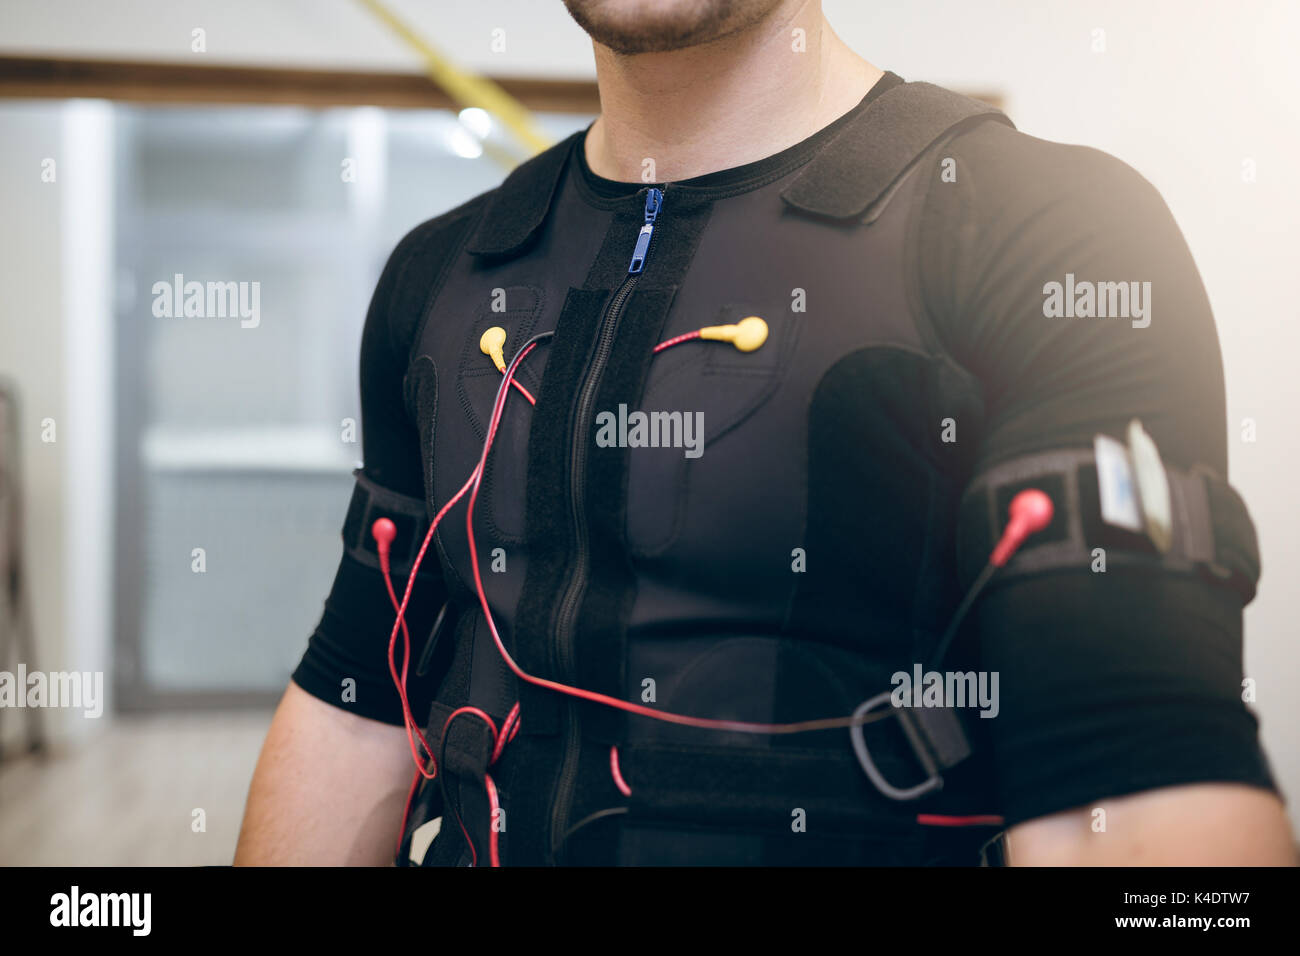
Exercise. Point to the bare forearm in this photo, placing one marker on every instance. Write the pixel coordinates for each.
(1197, 825)
(328, 789)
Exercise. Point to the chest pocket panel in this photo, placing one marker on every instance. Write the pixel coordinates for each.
(502, 497)
(724, 384)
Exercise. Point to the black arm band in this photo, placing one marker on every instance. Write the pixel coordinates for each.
(1212, 533)
(371, 502)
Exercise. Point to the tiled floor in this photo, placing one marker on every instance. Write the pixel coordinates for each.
(128, 797)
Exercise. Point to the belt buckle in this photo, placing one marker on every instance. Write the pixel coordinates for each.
(937, 741)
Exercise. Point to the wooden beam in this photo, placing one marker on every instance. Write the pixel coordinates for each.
(44, 77)
(140, 82)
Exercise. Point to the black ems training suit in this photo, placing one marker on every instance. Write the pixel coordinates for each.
(814, 540)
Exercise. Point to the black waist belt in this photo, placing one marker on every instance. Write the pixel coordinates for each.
(786, 797)
(801, 801)
(757, 787)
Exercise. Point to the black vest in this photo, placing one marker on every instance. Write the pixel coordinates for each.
(779, 569)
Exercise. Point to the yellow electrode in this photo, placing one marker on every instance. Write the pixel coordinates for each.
(493, 343)
(747, 334)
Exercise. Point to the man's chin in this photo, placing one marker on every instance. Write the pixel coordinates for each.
(629, 27)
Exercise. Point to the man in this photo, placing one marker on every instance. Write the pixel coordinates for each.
(947, 301)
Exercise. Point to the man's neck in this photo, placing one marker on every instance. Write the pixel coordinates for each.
(725, 103)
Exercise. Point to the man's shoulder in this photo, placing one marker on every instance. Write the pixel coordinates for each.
(415, 266)
(996, 165)
(485, 222)
(440, 235)
(495, 221)
(998, 201)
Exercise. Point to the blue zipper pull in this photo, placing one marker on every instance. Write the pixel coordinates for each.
(653, 199)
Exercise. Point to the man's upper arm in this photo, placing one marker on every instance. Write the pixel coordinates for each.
(350, 644)
(330, 782)
(1127, 680)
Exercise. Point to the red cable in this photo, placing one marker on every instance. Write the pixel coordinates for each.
(676, 340)
(472, 484)
(511, 724)
(508, 731)
(617, 774)
(628, 706)
(430, 771)
(494, 855)
(527, 394)
(399, 624)
(499, 739)
(408, 719)
(975, 820)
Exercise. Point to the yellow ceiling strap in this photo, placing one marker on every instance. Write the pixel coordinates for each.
(463, 87)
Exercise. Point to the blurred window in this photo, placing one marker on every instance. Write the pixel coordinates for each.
(235, 434)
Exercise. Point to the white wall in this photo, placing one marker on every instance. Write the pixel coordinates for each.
(55, 344)
(31, 356)
(540, 38)
(86, 267)
(1186, 91)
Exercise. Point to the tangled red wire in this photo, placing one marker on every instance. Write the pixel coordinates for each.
(426, 766)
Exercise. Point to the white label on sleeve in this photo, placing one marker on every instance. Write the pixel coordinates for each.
(1119, 502)
(1153, 486)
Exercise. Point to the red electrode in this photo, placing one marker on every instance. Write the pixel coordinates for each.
(384, 532)
(1031, 511)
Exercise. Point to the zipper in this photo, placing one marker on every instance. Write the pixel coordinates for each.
(577, 584)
